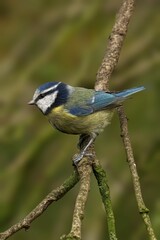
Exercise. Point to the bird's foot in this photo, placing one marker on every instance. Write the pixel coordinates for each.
(78, 157)
(87, 140)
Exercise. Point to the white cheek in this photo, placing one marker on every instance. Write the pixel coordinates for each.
(47, 101)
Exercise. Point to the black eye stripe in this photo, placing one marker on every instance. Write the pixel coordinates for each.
(42, 95)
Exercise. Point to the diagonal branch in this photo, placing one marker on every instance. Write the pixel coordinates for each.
(114, 46)
(53, 196)
(132, 165)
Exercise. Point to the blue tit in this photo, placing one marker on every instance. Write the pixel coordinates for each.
(76, 110)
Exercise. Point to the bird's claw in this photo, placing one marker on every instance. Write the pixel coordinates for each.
(78, 157)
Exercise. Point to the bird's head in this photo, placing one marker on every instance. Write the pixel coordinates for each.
(50, 95)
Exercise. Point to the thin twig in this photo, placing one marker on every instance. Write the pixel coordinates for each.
(53, 196)
(84, 169)
(132, 165)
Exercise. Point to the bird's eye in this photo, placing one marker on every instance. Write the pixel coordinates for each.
(41, 95)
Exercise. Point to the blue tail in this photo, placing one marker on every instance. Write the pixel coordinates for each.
(126, 93)
(105, 100)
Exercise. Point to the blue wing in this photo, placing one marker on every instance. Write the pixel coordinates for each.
(81, 110)
(97, 102)
(102, 100)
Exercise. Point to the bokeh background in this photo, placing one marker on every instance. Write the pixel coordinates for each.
(62, 40)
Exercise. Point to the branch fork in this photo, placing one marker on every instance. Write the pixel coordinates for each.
(85, 167)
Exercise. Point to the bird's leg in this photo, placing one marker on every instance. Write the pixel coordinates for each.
(83, 138)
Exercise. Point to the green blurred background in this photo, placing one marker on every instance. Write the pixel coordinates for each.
(62, 40)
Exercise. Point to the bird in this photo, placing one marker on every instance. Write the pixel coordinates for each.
(78, 110)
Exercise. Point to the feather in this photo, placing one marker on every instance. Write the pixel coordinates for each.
(81, 110)
(100, 101)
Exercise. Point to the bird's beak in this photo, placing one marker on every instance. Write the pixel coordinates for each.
(31, 102)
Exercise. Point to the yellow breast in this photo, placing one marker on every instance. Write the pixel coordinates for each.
(71, 124)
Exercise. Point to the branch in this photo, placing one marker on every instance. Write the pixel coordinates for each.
(84, 169)
(101, 177)
(132, 165)
(109, 63)
(53, 196)
(114, 45)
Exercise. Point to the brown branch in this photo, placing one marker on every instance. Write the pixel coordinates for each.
(84, 169)
(53, 196)
(114, 45)
(132, 165)
(109, 63)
